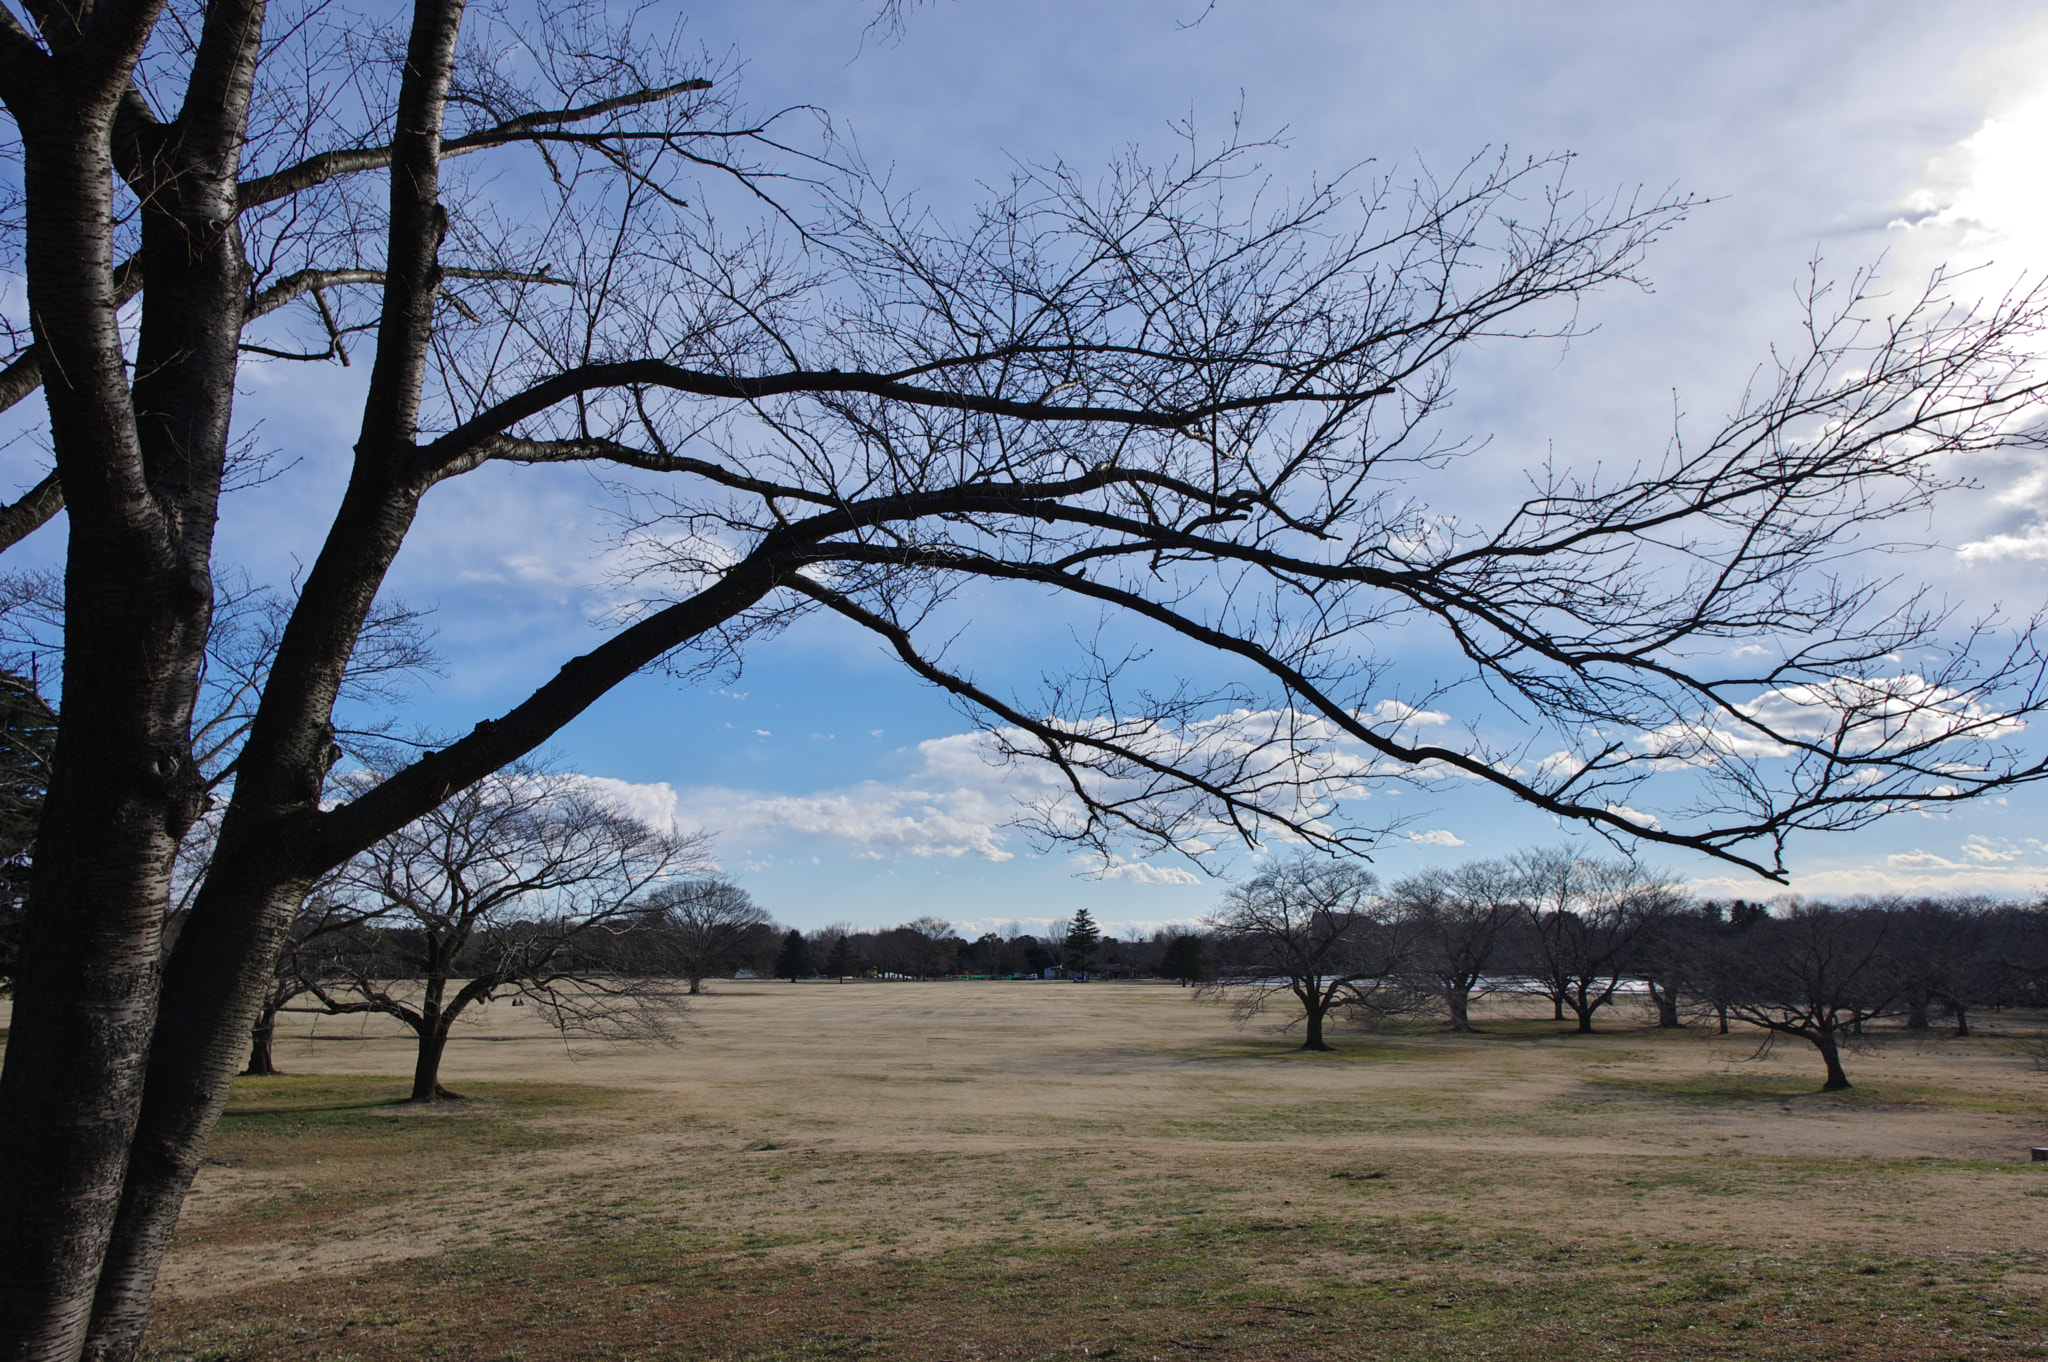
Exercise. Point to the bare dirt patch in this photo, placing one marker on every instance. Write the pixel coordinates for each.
(974, 1169)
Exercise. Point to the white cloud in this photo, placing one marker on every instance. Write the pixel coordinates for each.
(1988, 202)
(1917, 859)
(1436, 837)
(1396, 712)
(654, 805)
(1137, 872)
(1870, 714)
(2029, 545)
(1636, 816)
(1989, 851)
(955, 804)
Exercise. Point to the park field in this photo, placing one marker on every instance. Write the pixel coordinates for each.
(1026, 1170)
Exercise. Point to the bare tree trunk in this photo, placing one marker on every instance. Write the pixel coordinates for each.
(1831, 1054)
(212, 992)
(1312, 1038)
(123, 789)
(1721, 1012)
(1459, 1001)
(262, 1063)
(426, 1069)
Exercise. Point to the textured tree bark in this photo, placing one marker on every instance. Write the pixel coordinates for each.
(1314, 1008)
(122, 790)
(221, 967)
(262, 1044)
(426, 1068)
(1666, 999)
(1831, 1055)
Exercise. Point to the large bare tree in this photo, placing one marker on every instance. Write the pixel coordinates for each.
(1311, 931)
(1463, 921)
(704, 924)
(1156, 391)
(515, 888)
(1583, 924)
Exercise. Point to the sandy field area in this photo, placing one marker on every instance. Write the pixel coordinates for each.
(826, 1133)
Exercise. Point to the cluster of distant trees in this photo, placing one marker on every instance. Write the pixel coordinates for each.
(1323, 936)
(930, 948)
(530, 887)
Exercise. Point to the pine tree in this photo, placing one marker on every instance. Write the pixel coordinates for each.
(840, 962)
(1185, 960)
(794, 961)
(1084, 938)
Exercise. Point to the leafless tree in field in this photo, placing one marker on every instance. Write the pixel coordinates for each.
(1164, 391)
(1309, 931)
(703, 924)
(515, 886)
(1463, 920)
(1817, 975)
(1583, 921)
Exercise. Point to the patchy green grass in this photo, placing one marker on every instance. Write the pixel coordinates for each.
(991, 1172)
(345, 1143)
(1756, 1088)
(286, 1120)
(1230, 1288)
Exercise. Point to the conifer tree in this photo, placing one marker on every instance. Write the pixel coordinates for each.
(1185, 960)
(794, 961)
(1084, 939)
(840, 962)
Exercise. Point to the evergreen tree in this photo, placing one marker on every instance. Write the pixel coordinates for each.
(1186, 960)
(1084, 939)
(840, 962)
(794, 962)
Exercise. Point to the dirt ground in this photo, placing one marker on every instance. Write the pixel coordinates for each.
(1049, 1169)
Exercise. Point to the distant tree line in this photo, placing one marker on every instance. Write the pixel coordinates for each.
(529, 888)
(1319, 938)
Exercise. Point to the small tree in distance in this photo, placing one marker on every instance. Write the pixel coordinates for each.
(1463, 919)
(1817, 976)
(1084, 942)
(794, 961)
(705, 923)
(1583, 920)
(1186, 959)
(840, 962)
(1309, 926)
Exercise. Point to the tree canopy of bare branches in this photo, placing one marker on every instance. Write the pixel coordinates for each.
(512, 887)
(1817, 975)
(1169, 392)
(1584, 922)
(704, 923)
(1312, 929)
(1464, 921)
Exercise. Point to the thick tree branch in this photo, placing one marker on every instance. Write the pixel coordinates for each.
(35, 509)
(318, 169)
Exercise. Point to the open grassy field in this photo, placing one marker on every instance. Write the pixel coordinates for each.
(998, 1170)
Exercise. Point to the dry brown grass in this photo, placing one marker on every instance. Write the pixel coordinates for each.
(1036, 1170)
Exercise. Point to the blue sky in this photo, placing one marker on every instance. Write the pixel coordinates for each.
(842, 790)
